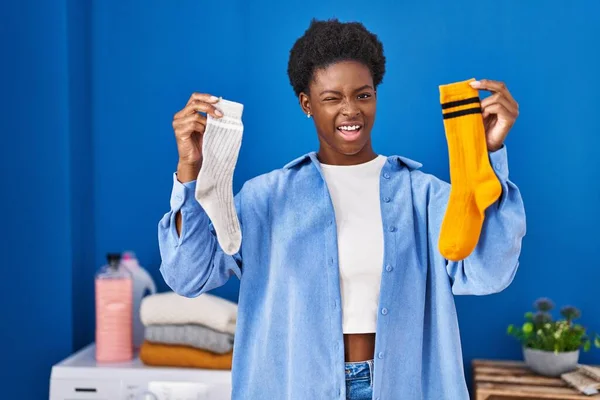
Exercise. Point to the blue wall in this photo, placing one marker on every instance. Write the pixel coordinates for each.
(88, 150)
(37, 221)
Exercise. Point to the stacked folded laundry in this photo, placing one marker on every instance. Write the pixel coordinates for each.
(188, 332)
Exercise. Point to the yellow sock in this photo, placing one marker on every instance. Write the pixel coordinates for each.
(474, 185)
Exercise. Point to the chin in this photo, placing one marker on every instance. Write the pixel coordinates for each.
(351, 148)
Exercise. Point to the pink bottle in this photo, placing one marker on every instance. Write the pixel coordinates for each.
(114, 340)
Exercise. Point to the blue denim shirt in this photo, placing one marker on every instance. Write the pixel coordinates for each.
(289, 340)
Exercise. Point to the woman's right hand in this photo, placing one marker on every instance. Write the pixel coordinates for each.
(189, 128)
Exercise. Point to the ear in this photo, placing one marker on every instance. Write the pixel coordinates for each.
(304, 100)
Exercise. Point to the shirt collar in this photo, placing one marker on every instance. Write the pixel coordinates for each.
(394, 160)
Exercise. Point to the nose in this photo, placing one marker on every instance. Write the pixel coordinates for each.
(350, 109)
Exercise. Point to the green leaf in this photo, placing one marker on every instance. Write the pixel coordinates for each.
(597, 341)
(529, 316)
(587, 345)
(511, 329)
(527, 327)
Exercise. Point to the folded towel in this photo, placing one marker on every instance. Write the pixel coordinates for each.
(197, 336)
(172, 309)
(163, 355)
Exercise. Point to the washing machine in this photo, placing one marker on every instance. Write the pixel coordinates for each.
(80, 377)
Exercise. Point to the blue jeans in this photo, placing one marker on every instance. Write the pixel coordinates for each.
(359, 380)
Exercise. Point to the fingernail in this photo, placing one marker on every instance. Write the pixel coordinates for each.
(213, 98)
(475, 84)
(218, 113)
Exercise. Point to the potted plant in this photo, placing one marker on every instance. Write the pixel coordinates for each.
(551, 347)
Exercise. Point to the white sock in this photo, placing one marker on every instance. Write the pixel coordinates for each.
(214, 188)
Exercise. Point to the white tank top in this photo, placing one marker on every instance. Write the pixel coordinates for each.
(354, 191)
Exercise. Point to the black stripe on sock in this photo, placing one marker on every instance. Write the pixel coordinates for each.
(462, 112)
(462, 102)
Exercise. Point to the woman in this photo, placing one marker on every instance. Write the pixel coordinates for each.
(343, 293)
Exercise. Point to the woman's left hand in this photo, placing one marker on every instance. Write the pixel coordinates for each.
(499, 111)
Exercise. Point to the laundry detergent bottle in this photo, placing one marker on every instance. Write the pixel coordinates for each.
(114, 306)
(143, 285)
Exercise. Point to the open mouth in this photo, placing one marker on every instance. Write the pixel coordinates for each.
(350, 132)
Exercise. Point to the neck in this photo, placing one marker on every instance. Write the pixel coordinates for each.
(333, 157)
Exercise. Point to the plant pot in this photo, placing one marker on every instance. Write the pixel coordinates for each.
(549, 363)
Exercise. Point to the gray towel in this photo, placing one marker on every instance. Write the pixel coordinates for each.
(197, 336)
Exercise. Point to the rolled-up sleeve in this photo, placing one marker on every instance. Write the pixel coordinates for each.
(492, 265)
(192, 262)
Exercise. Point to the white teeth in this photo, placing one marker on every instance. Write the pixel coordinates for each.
(349, 128)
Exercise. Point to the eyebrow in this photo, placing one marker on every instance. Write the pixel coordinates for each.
(357, 90)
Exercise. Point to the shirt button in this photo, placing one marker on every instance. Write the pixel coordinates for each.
(386, 175)
(384, 311)
(387, 199)
(389, 268)
(380, 355)
(392, 229)
(178, 197)
(498, 166)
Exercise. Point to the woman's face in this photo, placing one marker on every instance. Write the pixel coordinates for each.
(342, 101)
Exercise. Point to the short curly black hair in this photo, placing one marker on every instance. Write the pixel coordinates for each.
(330, 41)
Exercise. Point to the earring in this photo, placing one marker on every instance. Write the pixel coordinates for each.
(308, 115)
